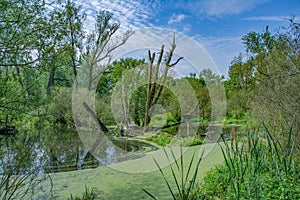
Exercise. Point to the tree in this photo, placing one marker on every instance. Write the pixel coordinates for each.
(275, 58)
(99, 46)
(116, 74)
(95, 61)
(65, 43)
(154, 88)
(33, 43)
(239, 86)
(202, 94)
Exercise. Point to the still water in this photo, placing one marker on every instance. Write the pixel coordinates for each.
(62, 151)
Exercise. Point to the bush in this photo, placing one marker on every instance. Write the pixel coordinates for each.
(215, 183)
(197, 140)
(161, 139)
(172, 118)
(60, 108)
(262, 168)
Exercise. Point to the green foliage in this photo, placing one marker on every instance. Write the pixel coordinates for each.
(37, 54)
(115, 72)
(239, 116)
(59, 111)
(103, 110)
(113, 80)
(88, 194)
(159, 119)
(202, 94)
(185, 180)
(162, 139)
(197, 140)
(172, 118)
(261, 168)
(215, 184)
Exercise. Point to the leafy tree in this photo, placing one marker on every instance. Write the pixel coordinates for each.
(202, 95)
(61, 54)
(276, 64)
(31, 37)
(239, 86)
(108, 82)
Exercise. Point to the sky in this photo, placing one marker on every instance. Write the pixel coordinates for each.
(217, 25)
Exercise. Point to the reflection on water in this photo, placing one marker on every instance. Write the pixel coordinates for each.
(57, 152)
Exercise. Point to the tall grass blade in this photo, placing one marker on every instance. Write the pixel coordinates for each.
(274, 143)
(153, 197)
(172, 170)
(162, 173)
(192, 184)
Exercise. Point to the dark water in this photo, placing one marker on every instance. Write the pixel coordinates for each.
(60, 152)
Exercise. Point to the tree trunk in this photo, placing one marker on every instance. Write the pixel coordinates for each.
(95, 118)
(51, 79)
(148, 102)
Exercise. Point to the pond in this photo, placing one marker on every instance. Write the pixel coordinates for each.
(64, 151)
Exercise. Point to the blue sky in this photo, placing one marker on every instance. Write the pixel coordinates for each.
(217, 25)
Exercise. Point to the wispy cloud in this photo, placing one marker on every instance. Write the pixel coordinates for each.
(187, 28)
(131, 14)
(266, 18)
(176, 18)
(221, 8)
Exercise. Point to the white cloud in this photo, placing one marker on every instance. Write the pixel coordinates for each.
(131, 14)
(221, 8)
(266, 18)
(187, 28)
(176, 18)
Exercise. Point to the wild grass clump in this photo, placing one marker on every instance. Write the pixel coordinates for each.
(261, 168)
(185, 181)
(88, 194)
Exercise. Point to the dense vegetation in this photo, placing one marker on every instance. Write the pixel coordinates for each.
(45, 51)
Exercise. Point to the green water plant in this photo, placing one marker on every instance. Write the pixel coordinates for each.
(88, 194)
(185, 180)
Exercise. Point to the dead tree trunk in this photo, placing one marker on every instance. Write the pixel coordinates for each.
(95, 118)
(154, 89)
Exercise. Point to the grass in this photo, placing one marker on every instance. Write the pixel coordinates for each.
(88, 194)
(261, 168)
(185, 181)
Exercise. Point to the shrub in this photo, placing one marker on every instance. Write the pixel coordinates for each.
(262, 168)
(215, 183)
(161, 139)
(59, 111)
(197, 140)
(172, 118)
